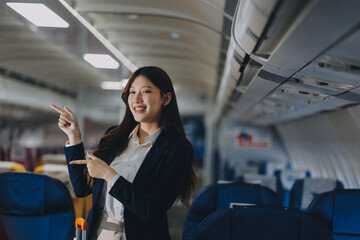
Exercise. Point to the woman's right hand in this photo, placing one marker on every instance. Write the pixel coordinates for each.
(68, 124)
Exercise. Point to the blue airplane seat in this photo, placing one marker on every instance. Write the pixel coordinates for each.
(34, 206)
(2, 154)
(340, 211)
(269, 168)
(229, 172)
(264, 180)
(261, 223)
(286, 179)
(305, 190)
(222, 196)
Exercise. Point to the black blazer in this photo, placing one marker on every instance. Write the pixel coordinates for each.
(156, 186)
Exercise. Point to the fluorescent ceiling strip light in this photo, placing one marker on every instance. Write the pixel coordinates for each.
(38, 14)
(121, 57)
(101, 61)
(111, 85)
(114, 85)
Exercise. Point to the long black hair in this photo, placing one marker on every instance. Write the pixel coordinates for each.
(116, 141)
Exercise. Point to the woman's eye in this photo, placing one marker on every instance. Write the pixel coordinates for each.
(146, 91)
(132, 92)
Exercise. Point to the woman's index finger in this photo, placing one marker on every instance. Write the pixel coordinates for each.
(68, 110)
(79, 162)
(56, 108)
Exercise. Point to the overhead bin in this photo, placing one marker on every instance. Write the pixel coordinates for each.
(251, 17)
(299, 58)
(263, 84)
(315, 29)
(229, 79)
(250, 71)
(331, 81)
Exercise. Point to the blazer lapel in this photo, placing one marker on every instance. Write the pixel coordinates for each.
(151, 160)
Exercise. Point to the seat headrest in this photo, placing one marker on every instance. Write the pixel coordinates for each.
(32, 194)
(264, 180)
(244, 193)
(305, 190)
(222, 196)
(339, 210)
(288, 177)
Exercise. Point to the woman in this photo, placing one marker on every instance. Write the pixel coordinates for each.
(140, 166)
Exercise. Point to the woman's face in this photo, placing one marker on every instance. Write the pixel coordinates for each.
(145, 101)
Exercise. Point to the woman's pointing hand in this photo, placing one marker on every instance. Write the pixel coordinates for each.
(68, 124)
(97, 168)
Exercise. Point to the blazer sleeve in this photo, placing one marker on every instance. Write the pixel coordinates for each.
(156, 201)
(76, 171)
(77, 174)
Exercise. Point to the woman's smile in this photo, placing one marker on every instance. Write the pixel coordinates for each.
(139, 109)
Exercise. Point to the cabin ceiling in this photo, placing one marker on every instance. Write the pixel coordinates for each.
(187, 38)
(142, 32)
(262, 63)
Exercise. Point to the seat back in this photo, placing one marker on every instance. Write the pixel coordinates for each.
(34, 206)
(305, 190)
(57, 171)
(259, 223)
(286, 179)
(264, 180)
(222, 196)
(2, 154)
(269, 168)
(340, 211)
(11, 166)
(25, 156)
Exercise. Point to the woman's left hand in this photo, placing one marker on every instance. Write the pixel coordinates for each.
(97, 168)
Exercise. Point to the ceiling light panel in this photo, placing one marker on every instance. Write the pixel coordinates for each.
(101, 61)
(114, 85)
(38, 14)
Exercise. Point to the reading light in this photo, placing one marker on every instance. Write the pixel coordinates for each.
(38, 14)
(132, 16)
(101, 61)
(175, 35)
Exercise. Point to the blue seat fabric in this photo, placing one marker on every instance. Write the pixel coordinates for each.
(260, 223)
(219, 196)
(340, 212)
(34, 206)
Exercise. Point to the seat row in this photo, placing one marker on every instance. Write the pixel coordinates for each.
(35, 206)
(295, 188)
(28, 157)
(53, 165)
(250, 211)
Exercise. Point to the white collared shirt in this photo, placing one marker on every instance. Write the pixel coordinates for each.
(126, 165)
